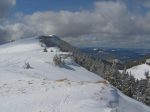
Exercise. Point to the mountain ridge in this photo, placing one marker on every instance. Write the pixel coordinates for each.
(46, 87)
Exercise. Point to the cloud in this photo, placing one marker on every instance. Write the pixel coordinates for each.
(107, 17)
(5, 5)
(109, 23)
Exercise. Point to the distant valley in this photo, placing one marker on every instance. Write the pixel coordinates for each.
(126, 56)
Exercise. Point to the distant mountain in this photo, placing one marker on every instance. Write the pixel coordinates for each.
(127, 57)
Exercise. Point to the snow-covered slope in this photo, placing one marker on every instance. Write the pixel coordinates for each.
(49, 88)
(139, 71)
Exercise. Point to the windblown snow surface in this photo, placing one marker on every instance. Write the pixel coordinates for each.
(49, 88)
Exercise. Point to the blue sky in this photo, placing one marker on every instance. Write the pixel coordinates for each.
(30, 6)
(105, 23)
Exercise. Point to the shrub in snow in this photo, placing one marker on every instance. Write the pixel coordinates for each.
(148, 61)
(45, 50)
(12, 40)
(27, 66)
(57, 60)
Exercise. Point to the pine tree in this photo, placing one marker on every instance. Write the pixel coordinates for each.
(147, 76)
(124, 70)
(129, 85)
(27, 66)
(45, 50)
(147, 95)
(147, 90)
(57, 60)
(142, 84)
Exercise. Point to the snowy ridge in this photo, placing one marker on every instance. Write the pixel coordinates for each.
(49, 88)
